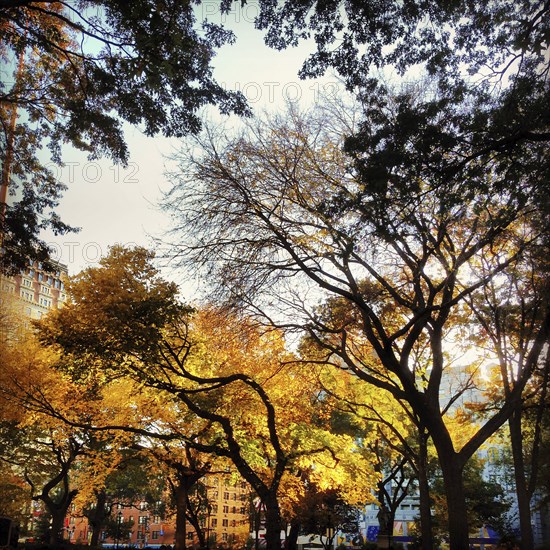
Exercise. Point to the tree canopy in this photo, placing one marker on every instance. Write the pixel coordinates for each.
(488, 65)
(218, 383)
(79, 71)
(281, 219)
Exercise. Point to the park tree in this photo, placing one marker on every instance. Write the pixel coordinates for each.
(488, 65)
(60, 464)
(325, 513)
(184, 468)
(399, 449)
(509, 310)
(487, 503)
(115, 476)
(16, 499)
(79, 70)
(281, 219)
(36, 447)
(250, 406)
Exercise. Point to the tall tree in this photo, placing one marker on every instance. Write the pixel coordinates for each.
(36, 447)
(249, 405)
(509, 309)
(280, 215)
(486, 501)
(80, 69)
(399, 449)
(488, 64)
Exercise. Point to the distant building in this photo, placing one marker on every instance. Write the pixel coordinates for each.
(225, 523)
(30, 294)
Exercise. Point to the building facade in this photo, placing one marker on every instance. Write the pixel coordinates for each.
(31, 294)
(225, 523)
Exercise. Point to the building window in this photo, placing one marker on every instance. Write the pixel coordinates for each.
(225, 509)
(224, 537)
(225, 522)
(156, 519)
(155, 535)
(190, 535)
(142, 520)
(226, 496)
(214, 522)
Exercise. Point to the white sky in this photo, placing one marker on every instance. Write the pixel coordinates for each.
(112, 204)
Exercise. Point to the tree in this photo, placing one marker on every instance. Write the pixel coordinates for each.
(249, 405)
(488, 66)
(57, 461)
(81, 69)
(509, 310)
(185, 468)
(486, 502)
(118, 529)
(37, 448)
(15, 502)
(324, 513)
(279, 215)
(129, 477)
(399, 449)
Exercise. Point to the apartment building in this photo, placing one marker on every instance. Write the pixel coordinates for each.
(30, 294)
(225, 523)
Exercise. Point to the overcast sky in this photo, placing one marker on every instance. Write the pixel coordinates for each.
(112, 204)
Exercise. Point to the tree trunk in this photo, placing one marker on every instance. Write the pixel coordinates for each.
(391, 521)
(273, 523)
(8, 155)
(181, 513)
(193, 520)
(292, 538)
(97, 518)
(383, 538)
(56, 532)
(452, 468)
(58, 512)
(426, 528)
(522, 492)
